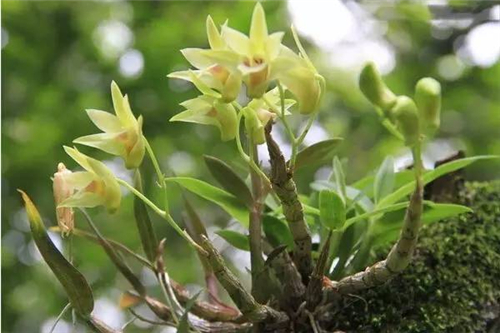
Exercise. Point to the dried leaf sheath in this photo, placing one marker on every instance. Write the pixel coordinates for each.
(284, 187)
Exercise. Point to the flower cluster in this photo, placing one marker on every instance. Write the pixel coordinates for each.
(97, 185)
(257, 61)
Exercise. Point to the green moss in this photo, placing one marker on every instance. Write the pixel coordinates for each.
(453, 284)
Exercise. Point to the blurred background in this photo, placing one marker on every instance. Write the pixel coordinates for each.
(58, 58)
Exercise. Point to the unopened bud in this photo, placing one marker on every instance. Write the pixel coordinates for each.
(374, 88)
(63, 190)
(428, 99)
(406, 116)
(255, 121)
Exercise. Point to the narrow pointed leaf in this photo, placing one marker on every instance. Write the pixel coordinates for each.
(73, 282)
(147, 234)
(235, 238)
(387, 228)
(384, 179)
(228, 179)
(318, 153)
(432, 175)
(216, 195)
(331, 210)
(339, 178)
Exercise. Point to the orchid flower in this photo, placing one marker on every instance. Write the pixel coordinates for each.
(96, 186)
(122, 133)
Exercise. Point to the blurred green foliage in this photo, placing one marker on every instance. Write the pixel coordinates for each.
(56, 64)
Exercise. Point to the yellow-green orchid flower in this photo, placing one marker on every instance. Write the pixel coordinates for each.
(256, 52)
(299, 76)
(209, 110)
(226, 80)
(122, 133)
(258, 113)
(96, 186)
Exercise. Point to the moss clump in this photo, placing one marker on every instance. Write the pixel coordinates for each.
(453, 284)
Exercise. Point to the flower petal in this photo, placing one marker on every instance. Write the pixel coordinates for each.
(192, 116)
(258, 29)
(197, 58)
(107, 142)
(105, 121)
(122, 106)
(214, 38)
(112, 196)
(237, 41)
(78, 157)
(273, 45)
(83, 199)
(203, 75)
(79, 179)
(202, 87)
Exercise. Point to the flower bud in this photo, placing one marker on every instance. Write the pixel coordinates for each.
(374, 88)
(63, 190)
(428, 99)
(255, 121)
(406, 116)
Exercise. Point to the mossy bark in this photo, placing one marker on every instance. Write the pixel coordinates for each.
(452, 284)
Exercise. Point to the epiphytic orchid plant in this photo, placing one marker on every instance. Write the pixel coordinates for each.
(294, 282)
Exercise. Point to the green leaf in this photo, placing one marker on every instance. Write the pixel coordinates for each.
(277, 231)
(216, 195)
(229, 179)
(384, 179)
(366, 184)
(73, 282)
(432, 175)
(344, 251)
(338, 177)
(144, 226)
(387, 228)
(362, 201)
(380, 211)
(183, 326)
(318, 153)
(331, 210)
(235, 238)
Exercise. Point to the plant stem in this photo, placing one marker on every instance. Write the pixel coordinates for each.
(255, 228)
(159, 174)
(165, 215)
(286, 190)
(247, 158)
(401, 253)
